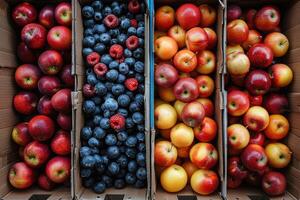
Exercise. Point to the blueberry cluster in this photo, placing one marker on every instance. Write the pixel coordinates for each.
(113, 140)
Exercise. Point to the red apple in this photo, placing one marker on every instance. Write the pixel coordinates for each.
(21, 176)
(206, 62)
(207, 131)
(212, 37)
(256, 100)
(44, 106)
(274, 183)
(260, 55)
(36, 154)
(281, 75)
(237, 31)
(34, 35)
(196, 39)
(276, 103)
(204, 182)
(45, 183)
(267, 18)
(236, 168)
(233, 12)
(238, 64)
(234, 49)
(61, 101)
(50, 62)
(165, 75)
(165, 47)
(193, 114)
(46, 16)
(63, 14)
(58, 169)
(41, 127)
(49, 85)
(250, 15)
(178, 34)
(237, 103)
(185, 61)
(166, 94)
(258, 82)
(256, 118)
(164, 18)
(278, 127)
(238, 136)
(67, 77)
(278, 43)
(64, 121)
(254, 37)
(20, 134)
(233, 182)
(204, 155)
(254, 158)
(257, 138)
(25, 54)
(208, 15)
(61, 143)
(24, 13)
(208, 106)
(186, 90)
(188, 16)
(165, 153)
(27, 76)
(25, 102)
(60, 38)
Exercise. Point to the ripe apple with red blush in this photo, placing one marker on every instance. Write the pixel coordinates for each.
(66, 76)
(237, 103)
(260, 55)
(165, 153)
(208, 106)
(25, 54)
(254, 158)
(165, 75)
(178, 34)
(45, 183)
(24, 13)
(36, 154)
(267, 18)
(164, 18)
(64, 121)
(274, 183)
(258, 82)
(196, 39)
(34, 35)
(185, 61)
(254, 37)
(49, 85)
(276, 103)
(50, 62)
(25, 102)
(193, 114)
(27, 76)
(256, 100)
(233, 182)
(44, 106)
(250, 16)
(58, 169)
(41, 127)
(257, 138)
(46, 16)
(212, 37)
(59, 38)
(63, 14)
(20, 134)
(188, 16)
(233, 12)
(208, 15)
(281, 75)
(61, 100)
(206, 85)
(207, 131)
(236, 168)
(21, 176)
(237, 31)
(186, 90)
(256, 118)
(61, 143)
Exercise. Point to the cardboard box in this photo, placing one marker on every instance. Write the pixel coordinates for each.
(8, 117)
(78, 191)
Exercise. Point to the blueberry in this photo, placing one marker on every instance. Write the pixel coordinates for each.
(121, 78)
(123, 100)
(104, 123)
(86, 51)
(130, 152)
(99, 29)
(89, 23)
(111, 104)
(107, 180)
(107, 113)
(130, 94)
(89, 106)
(116, 10)
(88, 182)
(122, 161)
(122, 136)
(127, 53)
(85, 172)
(100, 48)
(112, 75)
(99, 133)
(110, 140)
(88, 161)
(138, 53)
(113, 168)
(91, 79)
(141, 42)
(129, 61)
(132, 166)
(139, 98)
(138, 118)
(97, 100)
(139, 17)
(123, 112)
(86, 133)
(130, 178)
(98, 159)
(95, 150)
(96, 121)
(99, 187)
(140, 184)
(105, 38)
(100, 89)
(140, 137)
(140, 31)
(113, 152)
(97, 5)
(119, 183)
(125, 23)
(122, 38)
(84, 151)
(114, 4)
(139, 67)
(93, 142)
(123, 68)
(131, 141)
(118, 89)
(131, 31)
(141, 127)
(105, 160)
(140, 159)
(87, 12)
(141, 24)
(113, 65)
(88, 32)
(113, 41)
(141, 173)
(114, 32)
(98, 16)
(106, 11)
(109, 85)
(134, 107)
(142, 147)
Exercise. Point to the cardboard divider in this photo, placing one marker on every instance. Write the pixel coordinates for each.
(78, 191)
(156, 191)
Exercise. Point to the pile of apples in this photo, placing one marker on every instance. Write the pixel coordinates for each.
(185, 63)
(43, 100)
(256, 101)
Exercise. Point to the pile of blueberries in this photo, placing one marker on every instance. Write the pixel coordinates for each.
(113, 141)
